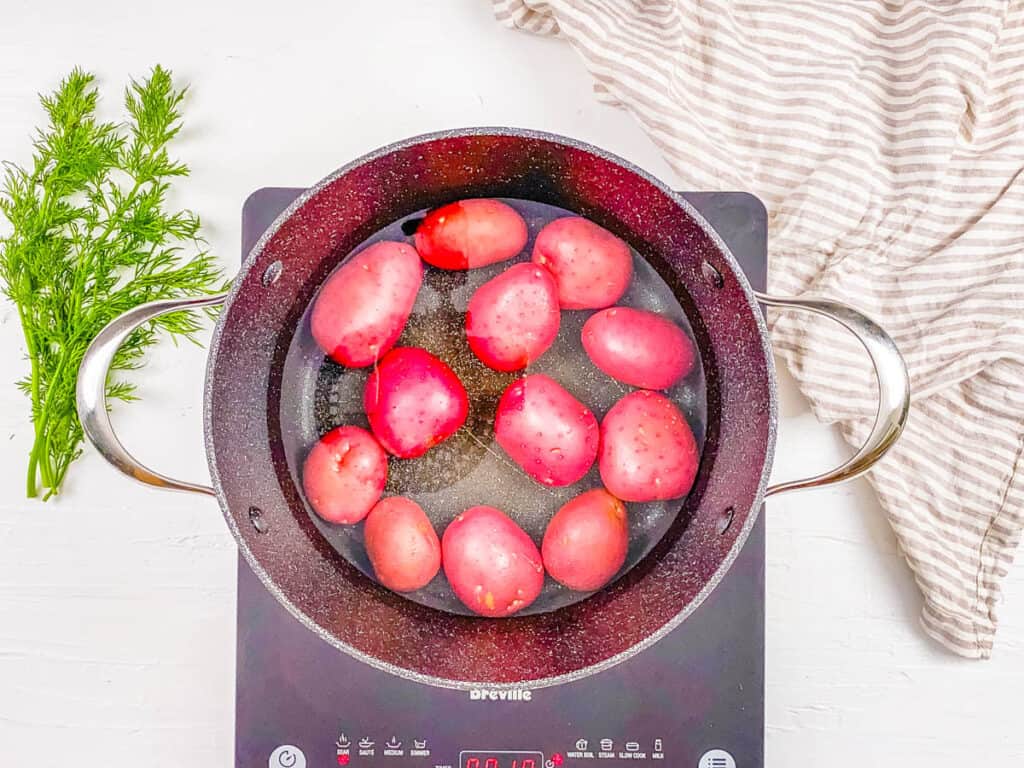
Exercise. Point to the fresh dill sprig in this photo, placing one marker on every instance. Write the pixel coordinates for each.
(91, 239)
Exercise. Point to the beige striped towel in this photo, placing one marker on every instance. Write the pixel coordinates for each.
(887, 141)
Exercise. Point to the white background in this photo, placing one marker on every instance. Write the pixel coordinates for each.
(117, 602)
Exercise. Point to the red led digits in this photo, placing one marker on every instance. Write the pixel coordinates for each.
(505, 760)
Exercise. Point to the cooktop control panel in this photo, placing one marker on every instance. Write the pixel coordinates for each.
(349, 753)
(289, 756)
(694, 699)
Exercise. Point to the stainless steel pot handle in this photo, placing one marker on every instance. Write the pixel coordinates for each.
(893, 389)
(91, 392)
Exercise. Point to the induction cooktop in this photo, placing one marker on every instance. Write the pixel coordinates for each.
(694, 699)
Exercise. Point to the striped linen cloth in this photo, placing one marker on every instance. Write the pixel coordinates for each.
(887, 141)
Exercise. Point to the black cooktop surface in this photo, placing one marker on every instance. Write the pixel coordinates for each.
(695, 699)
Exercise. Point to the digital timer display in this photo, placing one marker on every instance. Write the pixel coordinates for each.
(501, 759)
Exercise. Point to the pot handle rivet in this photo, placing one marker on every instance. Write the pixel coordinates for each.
(271, 274)
(893, 388)
(91, 391)
(711, 274)
(725, 520)
(256, 518)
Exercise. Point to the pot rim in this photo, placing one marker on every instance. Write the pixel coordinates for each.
(751, 303)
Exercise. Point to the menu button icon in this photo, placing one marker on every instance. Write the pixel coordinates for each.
(716, 758)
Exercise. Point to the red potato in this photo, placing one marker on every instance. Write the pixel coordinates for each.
(586, 541)
(470, 233)
(344, 475)
(546, 431)
(648, 452)
(401, 544)
(413, 401)
(513, 318)
(638, 348)
(492, 564)
(591, 265)
(361, 310)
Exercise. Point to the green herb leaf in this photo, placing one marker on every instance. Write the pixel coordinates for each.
(91, 238)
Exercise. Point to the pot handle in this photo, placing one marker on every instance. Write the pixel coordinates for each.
(893, 389)
(91, 391)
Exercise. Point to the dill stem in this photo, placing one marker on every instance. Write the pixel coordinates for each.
(34, 467)
(31, 488)
(41, 447)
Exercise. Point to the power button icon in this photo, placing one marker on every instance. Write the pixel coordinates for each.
(287, 756)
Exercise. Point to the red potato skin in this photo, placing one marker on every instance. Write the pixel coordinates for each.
(591, 265)
(546, 431)
(586, 541)
(638, 348)
(513, 318)
(413, 401)
(362, 308)
(344, 475)
(470, 233)
(648, 452)
(494, 567)
(401, 544)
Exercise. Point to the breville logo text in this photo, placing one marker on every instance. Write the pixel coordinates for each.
(514, 694)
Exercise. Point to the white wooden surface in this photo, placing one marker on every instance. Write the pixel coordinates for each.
(117, 603)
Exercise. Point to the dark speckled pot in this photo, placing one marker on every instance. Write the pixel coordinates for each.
(328, 594)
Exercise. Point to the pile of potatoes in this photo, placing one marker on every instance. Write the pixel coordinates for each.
(413, 401)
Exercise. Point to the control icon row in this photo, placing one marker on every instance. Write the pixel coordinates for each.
(344, 743)
(607, 745)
